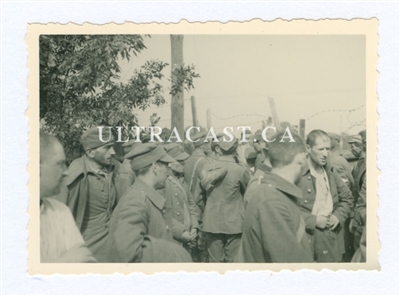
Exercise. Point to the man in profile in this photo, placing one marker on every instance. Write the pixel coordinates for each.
(273, 227)
(141, 225)
(60, 239)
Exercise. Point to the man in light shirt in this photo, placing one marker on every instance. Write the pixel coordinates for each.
(326, 202)
(60, 239)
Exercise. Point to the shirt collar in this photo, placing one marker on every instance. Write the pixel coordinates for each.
(103, 171)
(157, 199)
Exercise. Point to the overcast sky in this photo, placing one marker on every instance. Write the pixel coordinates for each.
(304, 74)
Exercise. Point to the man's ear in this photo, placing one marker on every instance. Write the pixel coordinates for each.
(154, 168)
(90, 153)
(308, 148)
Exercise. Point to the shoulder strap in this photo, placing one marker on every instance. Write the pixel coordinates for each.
(301, 230)
(193, 172)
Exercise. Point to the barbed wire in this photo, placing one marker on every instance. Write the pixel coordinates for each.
(236, 116)
(336, 110)
(244, 124)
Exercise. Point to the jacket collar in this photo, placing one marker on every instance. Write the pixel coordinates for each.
(328, 168)
(198, 152)
(282, 185)
(157, 199)
(80, 166)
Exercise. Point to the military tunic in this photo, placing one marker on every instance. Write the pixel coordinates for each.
(139, 217)
(273, 229)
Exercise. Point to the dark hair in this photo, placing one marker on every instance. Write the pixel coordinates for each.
(46, 145)
(314, 135)
(282, 152)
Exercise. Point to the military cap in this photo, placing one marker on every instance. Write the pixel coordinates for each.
(145, 154)
(250, 154)
(176, 151)
(198, 139)
(90, 139)
(225, 145)
(356, 139)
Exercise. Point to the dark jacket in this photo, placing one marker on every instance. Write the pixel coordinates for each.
(77, 190)
(139, 218)
(341, 198)
(177, 198)
(273, 229)
(225, 205)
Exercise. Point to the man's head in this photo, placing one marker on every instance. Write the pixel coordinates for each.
(358, 144)
(224, 147)
(176, 151)
(335, 141)
(247, 135)
(99, 147)
(287, 155)
(52, 165)
(318, 147)
(150, 162)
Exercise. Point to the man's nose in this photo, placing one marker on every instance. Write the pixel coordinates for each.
(112, 151)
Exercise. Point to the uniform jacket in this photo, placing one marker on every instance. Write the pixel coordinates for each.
(176, 197)
(140, 226)
(359, 176)
(342, 167)
(254, 182)
(341, 197)
(77, 190)
(198, 194)
(225, 205)
(273, 229)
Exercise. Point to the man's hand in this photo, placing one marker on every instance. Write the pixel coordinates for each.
(78, 254)
(188, 236)
(333, 222)
(194, 232)
(322, 221)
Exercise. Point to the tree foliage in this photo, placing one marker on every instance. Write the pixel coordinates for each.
(80, 86)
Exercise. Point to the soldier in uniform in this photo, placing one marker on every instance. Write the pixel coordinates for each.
(192, 169)
(94, 186)
(326, 202)
(140, 228)
(223, 214)
(358, 148)
(273, 227)
(185, 225)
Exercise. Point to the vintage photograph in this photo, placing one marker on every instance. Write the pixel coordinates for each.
(204, 148)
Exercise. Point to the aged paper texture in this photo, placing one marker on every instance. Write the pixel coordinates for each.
(365, 30)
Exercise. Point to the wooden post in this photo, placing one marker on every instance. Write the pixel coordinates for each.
(208, 118)
(194, 111)
(274, 114)
(302, 128)
(177, 101)
(263, 125)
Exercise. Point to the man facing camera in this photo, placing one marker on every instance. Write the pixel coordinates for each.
(326, 203)
(273, 227)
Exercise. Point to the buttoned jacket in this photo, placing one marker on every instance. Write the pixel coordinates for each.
(342, 200)
(177, 197)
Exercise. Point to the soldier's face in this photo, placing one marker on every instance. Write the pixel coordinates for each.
(102, 155)
(160, 170)
(356, 149)
(53, 169)
(319, 152)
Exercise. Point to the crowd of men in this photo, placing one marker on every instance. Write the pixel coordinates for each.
(229, 201)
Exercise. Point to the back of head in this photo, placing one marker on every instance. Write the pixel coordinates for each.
(282, 152)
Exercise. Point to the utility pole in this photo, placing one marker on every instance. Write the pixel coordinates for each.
(274, 114)
(194, 111)
(208, 118)
(177, 101)
(302, 128)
